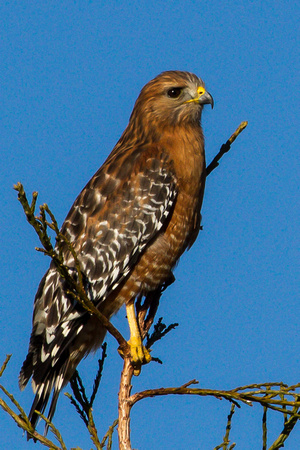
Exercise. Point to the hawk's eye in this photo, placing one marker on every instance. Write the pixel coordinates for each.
(174, 92)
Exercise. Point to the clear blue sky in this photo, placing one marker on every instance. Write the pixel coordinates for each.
(69, 75)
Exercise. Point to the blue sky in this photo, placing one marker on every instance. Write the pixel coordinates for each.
(69, 75)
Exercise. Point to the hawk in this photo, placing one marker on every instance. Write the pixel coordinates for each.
(129, 226)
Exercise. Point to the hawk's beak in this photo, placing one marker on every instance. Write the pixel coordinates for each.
(204, 97)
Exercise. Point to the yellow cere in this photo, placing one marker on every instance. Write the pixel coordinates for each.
(200, 92)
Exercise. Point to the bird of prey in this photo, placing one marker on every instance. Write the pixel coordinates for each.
(128, 226)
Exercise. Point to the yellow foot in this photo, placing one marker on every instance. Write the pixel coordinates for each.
(139, 354)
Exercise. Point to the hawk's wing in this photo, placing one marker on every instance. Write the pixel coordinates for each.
(118, 213)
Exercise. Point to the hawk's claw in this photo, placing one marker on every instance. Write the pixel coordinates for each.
(139, 354)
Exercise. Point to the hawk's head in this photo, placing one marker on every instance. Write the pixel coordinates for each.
(171, 98)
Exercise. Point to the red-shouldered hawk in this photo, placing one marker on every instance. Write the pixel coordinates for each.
(129, 226)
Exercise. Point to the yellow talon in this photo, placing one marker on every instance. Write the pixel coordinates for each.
(139, 354)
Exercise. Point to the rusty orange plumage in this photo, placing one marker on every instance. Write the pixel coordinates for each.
(129, 226)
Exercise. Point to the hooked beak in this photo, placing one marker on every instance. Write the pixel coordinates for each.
(205, 98)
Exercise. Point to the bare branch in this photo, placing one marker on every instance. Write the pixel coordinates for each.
(125, 406)
(225, 148)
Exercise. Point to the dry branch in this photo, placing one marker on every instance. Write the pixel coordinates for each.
(225, 148)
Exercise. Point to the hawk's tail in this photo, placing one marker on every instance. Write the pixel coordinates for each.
(62, 334)
(55, 379)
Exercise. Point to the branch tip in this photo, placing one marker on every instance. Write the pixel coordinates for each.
(238, 131)
(225, 148)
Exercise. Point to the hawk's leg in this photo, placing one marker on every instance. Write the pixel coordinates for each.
(139, 354)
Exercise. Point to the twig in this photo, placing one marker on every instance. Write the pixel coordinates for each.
(264, 428)
(18, 406)
(82, 404)
(93, 430)
(99, 374)
(226, 440)
(4, 365)
(54, 430)
(288, 427)
(160, 330)
(80, 411)
(108, 435)
(225, 148)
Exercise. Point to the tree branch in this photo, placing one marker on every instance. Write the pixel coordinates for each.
(288, 427)
(108, 435)
(125, 405)
(226, 440)
(82, 404)
(225, 148)
(248, 398)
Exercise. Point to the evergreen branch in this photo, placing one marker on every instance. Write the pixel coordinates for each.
(226, 440)
(108, 435)
(4, 365)
(80, 394)
(160, 330)
(288, 427)
(99, 374)
(79, 410)
(232, 395)
(53, 429)
(93, 430)
(24, 426)
(18, 406)
(264, 428)
(82, 403)
(266, 394)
